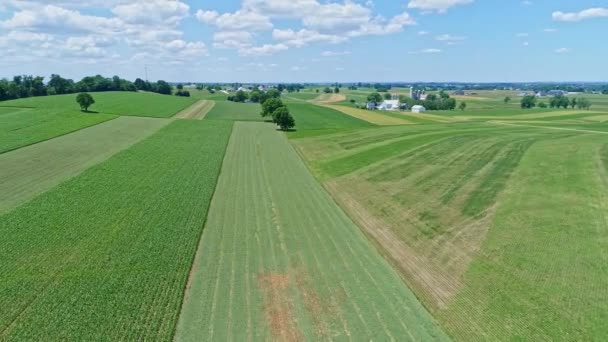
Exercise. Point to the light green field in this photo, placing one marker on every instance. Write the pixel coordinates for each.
(313, 117)
(118, 103)
(234, 111)
(106, 255)
(35, 169)
(499, 229)
(279, 260)
(21, 127)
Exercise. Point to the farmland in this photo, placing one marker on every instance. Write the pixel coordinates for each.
(202, 222)
(117, 103)
(463, 211)
(35, 169)
(106, 254)
(279, 260)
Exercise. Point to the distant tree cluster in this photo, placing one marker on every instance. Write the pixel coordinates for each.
(28, 86)
(181, 92)
(560, 101)
(255, 96)
(442, 101)
(275, 109)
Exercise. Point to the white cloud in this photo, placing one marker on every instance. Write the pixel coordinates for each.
(563, 50)
(152, 11)
(264, 50)
(525, 43)
(239, 20)
(440, 6)
(426, 51)
(423, 33)
(449, 38)
(526, 2)
(335, 53)
(53, 18)
(304, 37)
(327, 22)
(590, 13)
(522, 35)
(232, 39)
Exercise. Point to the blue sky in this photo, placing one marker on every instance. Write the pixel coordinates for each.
(307, 40)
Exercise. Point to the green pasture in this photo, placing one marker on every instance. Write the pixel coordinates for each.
(279, 260)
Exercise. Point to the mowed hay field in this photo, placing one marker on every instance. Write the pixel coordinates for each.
(32, 170)
(106, 255)
(500, 230)
(25, 126)
(279, 260)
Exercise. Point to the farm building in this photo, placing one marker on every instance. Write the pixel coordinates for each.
(458, 93)
(418, 109)
(389, 105)
(371, 105)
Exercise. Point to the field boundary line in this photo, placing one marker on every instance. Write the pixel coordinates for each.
(188, 283)
(548, 127)
(60, 135)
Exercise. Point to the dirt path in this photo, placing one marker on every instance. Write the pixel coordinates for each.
(197, 111)
(329, 98)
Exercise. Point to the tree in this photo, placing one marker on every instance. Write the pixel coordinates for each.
(507, 99)
(462, 106)
(388, 96)
(573, 102)
(375, 98)
(316, 90)
(163, 88)
(273, 93)
(270, 105)
(528, 101)
(282, 118)
(542, 105)
(180, 87)
(240, 96)
(352, 101)
(255, 96)
(336, 90)
(85, 100)
(583, 103)
(327, 90)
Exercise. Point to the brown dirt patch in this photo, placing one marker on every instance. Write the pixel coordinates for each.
(197, 111)
(278, 307)
(329, 98)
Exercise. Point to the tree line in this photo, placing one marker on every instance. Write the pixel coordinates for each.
(23, 86)
(442, 101)
(255, 96)
(560, 101)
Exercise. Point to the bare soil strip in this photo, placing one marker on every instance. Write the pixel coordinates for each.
(197, 111)
(329, 98)
(370, 116)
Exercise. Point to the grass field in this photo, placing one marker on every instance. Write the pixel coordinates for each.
(21, 127)
(106, 255)
(279, 260)
(35, 169)
(312, 117)
(498, 229)
(373, 117)
(118, 103)
(234, 111)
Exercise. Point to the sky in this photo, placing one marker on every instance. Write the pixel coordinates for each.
(307, 40)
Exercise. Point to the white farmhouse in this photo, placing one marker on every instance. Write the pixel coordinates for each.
(418, 109)
(389, 105)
